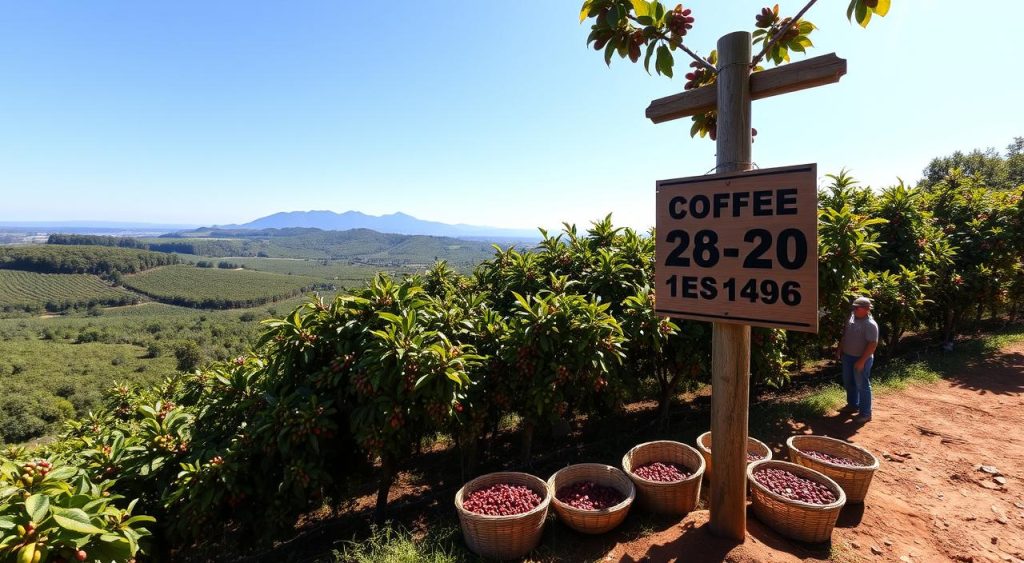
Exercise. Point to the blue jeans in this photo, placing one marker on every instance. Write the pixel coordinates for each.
(858, 383)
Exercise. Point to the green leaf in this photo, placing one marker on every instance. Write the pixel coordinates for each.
(641, 8)
(613, 17)
(77, 520)
(7, 523)
(585, 11)
(645, 20)
(610, 49)
(863, 14)
(62, 473)
(882, 8)
(647, 58)
(37, 506)
(664, 62)
(849, 10)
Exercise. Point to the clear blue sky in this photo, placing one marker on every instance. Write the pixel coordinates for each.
(488, 113)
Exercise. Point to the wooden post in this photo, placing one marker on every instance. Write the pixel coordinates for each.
(730, 356)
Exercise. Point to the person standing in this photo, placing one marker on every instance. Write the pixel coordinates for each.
(857, 353)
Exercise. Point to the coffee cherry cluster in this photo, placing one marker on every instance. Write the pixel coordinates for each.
(791, 486)
(588, 495)
(33, 472)
(501, 500)
(767, 17)
(697, 78)
(838, 460)
(680, 21)
(664, 472)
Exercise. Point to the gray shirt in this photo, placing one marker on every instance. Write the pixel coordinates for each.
(857, 334)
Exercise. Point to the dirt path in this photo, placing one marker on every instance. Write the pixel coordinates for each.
(932, 503)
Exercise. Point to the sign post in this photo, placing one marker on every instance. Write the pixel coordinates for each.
(738, 248)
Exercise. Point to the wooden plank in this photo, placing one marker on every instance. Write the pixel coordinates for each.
(816, 71)
(730, 344)
(730, 404)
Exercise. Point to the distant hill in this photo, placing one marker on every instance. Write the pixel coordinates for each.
(398, 223)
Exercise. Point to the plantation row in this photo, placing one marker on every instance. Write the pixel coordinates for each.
(338, 391)
(341, 273)
(99, 260)
(207, 288)
(32, 292)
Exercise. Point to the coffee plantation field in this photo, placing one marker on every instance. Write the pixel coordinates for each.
(34, 292)
(50, 361)
(341, 273)
(214, 288)
(46, 382)
(100, 260)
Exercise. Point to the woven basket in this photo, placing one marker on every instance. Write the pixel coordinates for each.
(675, 497)
(592, 521)
(503, 537)
(793, 518)
(854, 480)
(754, 446)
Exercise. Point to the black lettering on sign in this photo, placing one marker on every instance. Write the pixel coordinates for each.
(749, 290)
(762, 203)
(705, 206)
(754, 260)
(676, 258)
(705, 251)
(689, 287)
(785, 201)
(677, 207)
(739, 201)
(790, 295)
(721, 202)
(799, 249)
(730, 285)
(769, 291)
(708, 289)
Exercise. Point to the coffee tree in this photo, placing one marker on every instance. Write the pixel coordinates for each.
(674, 352)
(52, 511)
(564, 348)
(977, 224)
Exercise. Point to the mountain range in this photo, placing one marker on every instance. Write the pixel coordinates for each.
(396, 223)
(399, 223)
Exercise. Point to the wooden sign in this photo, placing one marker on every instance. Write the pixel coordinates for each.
(740, 247)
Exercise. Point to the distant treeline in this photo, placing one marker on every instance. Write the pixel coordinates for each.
(207, 247)
(99, 260)
(196, 246)
(97, 240)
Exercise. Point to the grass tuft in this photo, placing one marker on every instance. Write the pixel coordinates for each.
(389, 544)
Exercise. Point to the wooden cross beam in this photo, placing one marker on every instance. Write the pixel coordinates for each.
(731, 95)
(817, 71)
